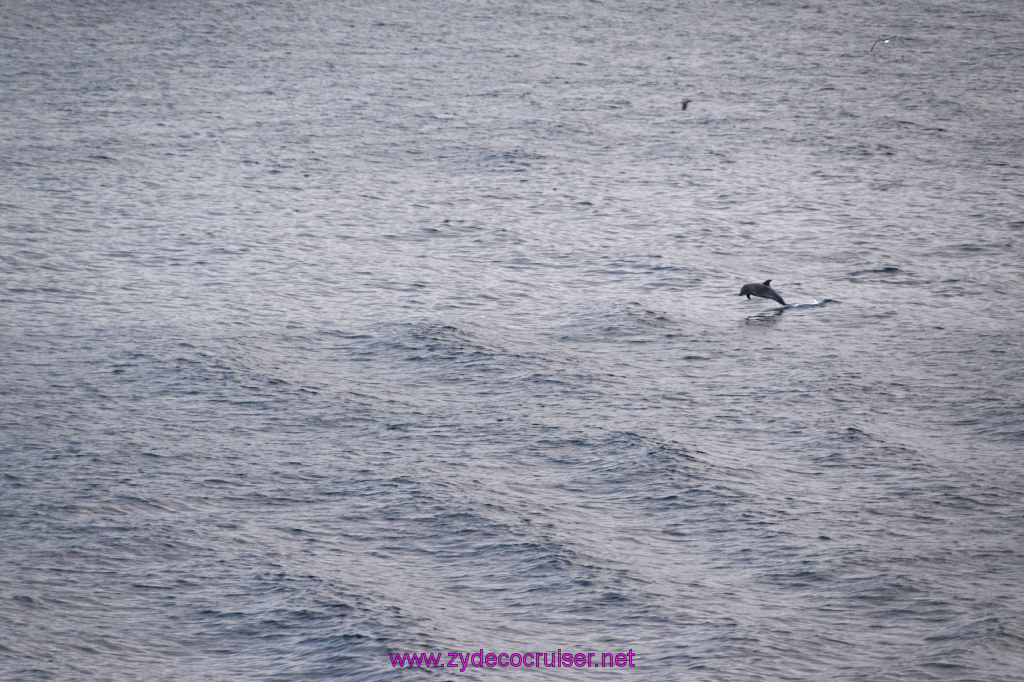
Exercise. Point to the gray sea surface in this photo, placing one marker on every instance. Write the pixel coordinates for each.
(334, 330)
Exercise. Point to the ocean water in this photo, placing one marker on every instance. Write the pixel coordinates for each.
(334, 330)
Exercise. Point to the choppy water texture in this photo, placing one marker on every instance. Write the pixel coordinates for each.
(331, 329)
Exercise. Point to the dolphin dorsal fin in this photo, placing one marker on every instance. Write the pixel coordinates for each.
(767, 283)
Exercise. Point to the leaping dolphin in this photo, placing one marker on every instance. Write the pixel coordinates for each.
(763, 290)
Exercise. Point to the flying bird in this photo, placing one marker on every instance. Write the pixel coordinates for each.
(885, 40)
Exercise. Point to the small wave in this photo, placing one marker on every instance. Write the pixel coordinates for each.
(621, 321)
(817, 303)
